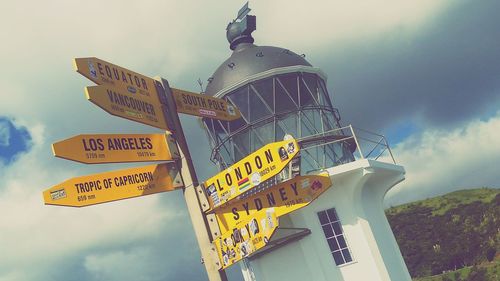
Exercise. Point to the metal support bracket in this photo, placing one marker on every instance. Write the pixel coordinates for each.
(172, 145)
(202, 197)
(214, 260)
(213, 225)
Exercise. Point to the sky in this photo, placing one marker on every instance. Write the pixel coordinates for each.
(424, 73)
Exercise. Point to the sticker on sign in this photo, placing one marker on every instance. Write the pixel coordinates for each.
(250, 172)
(104, 73)
(204, 106)
(120, 103)
(252, 234)
(283, 198)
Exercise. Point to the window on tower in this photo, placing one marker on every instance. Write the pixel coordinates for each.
(334, 234)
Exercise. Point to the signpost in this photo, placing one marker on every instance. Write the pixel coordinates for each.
(204, 106)
(115, 185)
(246, 224)
(134, 107)
(124, 93)
(117, 148)
(104, 73)
(249, 172)
(284, 198)
(253, 234)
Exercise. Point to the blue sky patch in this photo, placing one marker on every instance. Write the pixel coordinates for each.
(13, 140)
(400, 131)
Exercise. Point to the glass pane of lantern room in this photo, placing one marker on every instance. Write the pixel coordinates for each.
(307, 123)
(236, 125)
(241, 142)
(257, 108)
(239, 98)
(315, 158)
(317, 120)
(325, 98)
(289, 82)
(256, 141)
(347, 155)
(329, 156)
(220, 130)
(224, 151)
(289, 124)
(307, 164)
(209, 126)
(265, 89)
(312, 84)
(265, 132)
(280, 132)
(338, 152)
(306, 98)
(283, 101)
(328, 120)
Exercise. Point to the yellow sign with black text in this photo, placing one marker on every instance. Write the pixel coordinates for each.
(255, 233)
(116, 77)
(204, 106)
(117, 148)
(285, 198)
(249, 172)
(115, 185)
(122, 104)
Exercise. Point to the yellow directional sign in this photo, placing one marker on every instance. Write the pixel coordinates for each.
(249, 172)
(115, 148)
(127, 81)
(204, 106)
(253, 234)
(115, 185)
(284, 198)
(126, 105)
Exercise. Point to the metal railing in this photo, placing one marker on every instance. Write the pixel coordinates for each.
(362, 143)
(352, 144)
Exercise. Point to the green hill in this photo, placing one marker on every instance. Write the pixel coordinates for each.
(446, 233)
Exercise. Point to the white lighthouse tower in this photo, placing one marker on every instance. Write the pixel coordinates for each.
(342, 235)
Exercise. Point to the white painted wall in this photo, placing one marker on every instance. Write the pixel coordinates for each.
(357, 193)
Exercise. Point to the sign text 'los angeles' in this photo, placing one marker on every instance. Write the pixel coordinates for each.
(116, 148)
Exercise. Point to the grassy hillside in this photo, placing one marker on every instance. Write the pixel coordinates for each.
(484, 272)
(457, 230)
(441, 204)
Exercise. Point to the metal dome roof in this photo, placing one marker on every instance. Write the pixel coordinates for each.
(247, 60)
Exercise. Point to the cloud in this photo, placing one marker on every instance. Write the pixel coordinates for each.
(334, 23)
(439, 76)
(440, 161)
(135, 264)
(47, 235)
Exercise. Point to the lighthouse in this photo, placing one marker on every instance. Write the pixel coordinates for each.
(343, 234)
